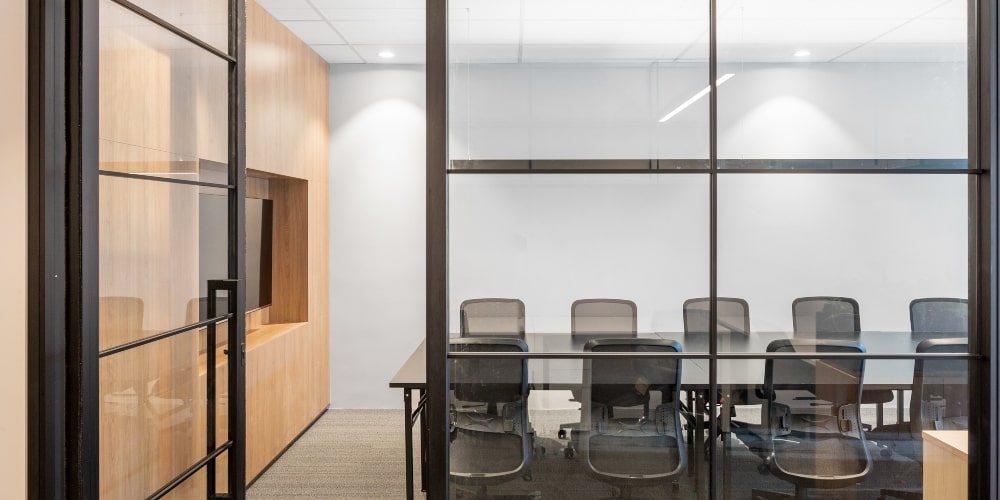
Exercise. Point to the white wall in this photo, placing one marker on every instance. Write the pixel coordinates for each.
(377, 229)
(13, 251)
(552, 239)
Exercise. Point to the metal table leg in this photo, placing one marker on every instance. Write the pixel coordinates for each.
(408, 439)
(899, 406)
(699, 442)
(422, 410)
(725, 423)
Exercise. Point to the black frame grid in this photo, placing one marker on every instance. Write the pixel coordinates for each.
(984, 258)
(63, 249)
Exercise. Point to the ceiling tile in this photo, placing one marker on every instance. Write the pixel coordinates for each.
(854, 10)
(402, 54)
(378, 32)
(781, 52)
(284, 4)
(485, 10)
(314, 32)
(601, 10)
(910, 52)
(804, 31)
(309, 14)
(337, 53)
(611, 32)
(928, 31)
(374, 14)
(368, 4)
(599, 53)
(483, 53)
(484, 32)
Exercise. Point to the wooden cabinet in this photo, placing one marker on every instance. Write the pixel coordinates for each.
(946, 465)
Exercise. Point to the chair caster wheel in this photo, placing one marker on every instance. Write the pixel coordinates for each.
(569, 452)
(527, 477)
(562, 434)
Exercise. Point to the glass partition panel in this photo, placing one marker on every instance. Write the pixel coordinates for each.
(164, 101)
(843, 84)
(841, 255)
(151, 255)
(597, 84)
(208, 20)
(557, 241)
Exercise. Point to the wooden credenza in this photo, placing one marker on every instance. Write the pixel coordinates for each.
(946, 465)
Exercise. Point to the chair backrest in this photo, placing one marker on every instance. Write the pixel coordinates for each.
(633, 450)
(604, 317)
(492, 318)
(814, 423)
(939, 315)
(940, 388)
(732, 315)
(490, 439)
(825, 315)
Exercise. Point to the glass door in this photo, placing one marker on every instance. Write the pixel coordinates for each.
(171, 306)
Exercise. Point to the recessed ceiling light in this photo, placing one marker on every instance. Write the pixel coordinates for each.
(387, 54)
(802, 53)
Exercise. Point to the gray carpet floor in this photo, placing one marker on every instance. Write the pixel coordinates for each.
(358, 454)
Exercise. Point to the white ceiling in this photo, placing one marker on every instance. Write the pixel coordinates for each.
(528, 31)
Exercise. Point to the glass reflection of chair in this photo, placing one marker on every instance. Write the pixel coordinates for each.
(940, 315)
(834, 317)
(814, 434)
(492, 318)
(604, 317)
(732, 317)
(628, 444)
(940, 402)
(491, 442)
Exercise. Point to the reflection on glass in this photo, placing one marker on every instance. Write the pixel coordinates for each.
(843, 84)
(163, 101)
(152, 417)
(550, 240)
(208, 20)
(149, 257)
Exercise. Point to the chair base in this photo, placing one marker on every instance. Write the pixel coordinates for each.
(885, 494)
(482, 494)
(800, 494)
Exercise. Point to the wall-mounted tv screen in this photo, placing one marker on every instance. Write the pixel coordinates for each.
(213, 246)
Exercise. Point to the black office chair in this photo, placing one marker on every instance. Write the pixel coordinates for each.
(834, 318)
(940, 401)
(604, 318)
(814, 434)
(490, 441)
(628, 444)
(492, 318)
(940, 315)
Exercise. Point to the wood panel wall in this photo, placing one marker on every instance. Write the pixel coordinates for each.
(288, 136)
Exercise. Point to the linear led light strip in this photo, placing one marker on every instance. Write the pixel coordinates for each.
(701, 93)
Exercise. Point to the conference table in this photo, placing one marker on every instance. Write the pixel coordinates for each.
(739, 372)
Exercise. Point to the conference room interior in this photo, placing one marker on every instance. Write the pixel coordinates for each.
(573, 249)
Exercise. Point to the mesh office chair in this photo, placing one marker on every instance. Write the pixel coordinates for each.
(604, 317)
(490, 434)
(645, 447)
(492, 318)
(814, 434)
(732, 316)
(940, 315)
(833, 317)
(825, 316)
(940, 402)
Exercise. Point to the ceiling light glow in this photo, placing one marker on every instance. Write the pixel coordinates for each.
(386, 54)
(701, 93)
(802, 53)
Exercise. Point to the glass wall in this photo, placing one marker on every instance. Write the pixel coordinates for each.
(698, 259)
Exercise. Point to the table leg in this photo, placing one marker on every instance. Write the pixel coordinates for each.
(879, 410)
(899, 406)
(725, 423)
(690, 430)
(408, 439)
(423, 440)
(699, 442)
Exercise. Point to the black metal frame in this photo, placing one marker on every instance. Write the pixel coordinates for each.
(984, 257)
(63, 252)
